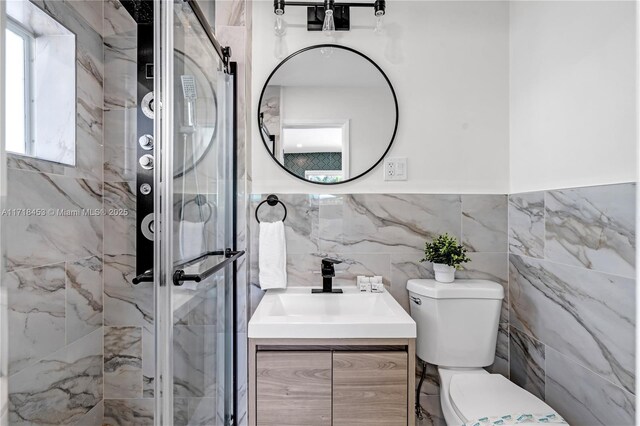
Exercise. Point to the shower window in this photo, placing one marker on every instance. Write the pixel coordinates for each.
(40, 73)
(18, 72)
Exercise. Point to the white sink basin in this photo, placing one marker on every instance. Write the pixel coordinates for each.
(296, 313)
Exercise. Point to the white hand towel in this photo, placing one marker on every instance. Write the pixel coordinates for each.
(192, 244)
(272, 257)
(191, 239)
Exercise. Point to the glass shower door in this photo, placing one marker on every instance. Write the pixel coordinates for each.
(194, 207)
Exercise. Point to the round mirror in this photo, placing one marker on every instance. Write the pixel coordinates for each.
(195, 101)
(328, 114)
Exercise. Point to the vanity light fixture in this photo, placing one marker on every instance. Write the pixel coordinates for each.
(327, 16)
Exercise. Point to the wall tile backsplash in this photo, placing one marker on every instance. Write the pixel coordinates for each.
(565, 258)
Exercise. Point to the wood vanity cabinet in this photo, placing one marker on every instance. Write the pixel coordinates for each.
(294, 388)
(335, 383)
(370, 388)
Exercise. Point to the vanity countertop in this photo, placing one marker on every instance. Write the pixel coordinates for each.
(296, 313)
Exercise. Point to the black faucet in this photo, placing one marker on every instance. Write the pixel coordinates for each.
(328, 272)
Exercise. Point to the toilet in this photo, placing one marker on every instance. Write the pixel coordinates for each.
(457, 327)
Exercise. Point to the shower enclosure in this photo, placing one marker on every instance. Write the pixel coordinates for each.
(125, 316)
(194, 262)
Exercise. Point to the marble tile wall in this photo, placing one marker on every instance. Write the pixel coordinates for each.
(572, 300)
(54, 260)
(384, 234)
(129, 368)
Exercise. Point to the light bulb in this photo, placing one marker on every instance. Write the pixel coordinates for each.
(279, 26)
(280, 48)
(379, 21)
(328, 27)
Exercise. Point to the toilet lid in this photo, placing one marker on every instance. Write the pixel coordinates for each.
(481, 395)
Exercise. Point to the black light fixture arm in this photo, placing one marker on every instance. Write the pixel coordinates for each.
(279, 5)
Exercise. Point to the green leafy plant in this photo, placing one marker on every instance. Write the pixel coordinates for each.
(445, 249)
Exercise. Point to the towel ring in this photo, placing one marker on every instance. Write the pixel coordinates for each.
(272, 200)
(199, 200)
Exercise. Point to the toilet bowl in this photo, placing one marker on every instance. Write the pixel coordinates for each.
(457, 328)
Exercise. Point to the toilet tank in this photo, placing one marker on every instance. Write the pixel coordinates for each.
(457, 322)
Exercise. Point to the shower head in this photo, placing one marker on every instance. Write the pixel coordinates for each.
(190, 96)
(189, 87)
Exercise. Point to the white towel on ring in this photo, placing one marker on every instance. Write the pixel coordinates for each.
(272, 256)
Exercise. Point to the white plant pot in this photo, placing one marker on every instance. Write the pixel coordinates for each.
(444, 273)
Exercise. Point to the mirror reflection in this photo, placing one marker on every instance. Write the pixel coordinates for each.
(327, 114)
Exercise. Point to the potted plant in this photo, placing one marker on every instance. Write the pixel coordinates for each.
(446, 255)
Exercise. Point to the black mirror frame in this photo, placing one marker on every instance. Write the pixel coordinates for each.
(393, 93)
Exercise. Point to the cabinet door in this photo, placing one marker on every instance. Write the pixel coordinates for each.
(293, 388)
(370, 388)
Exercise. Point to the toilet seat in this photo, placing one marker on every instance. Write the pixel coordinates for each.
(481, 395)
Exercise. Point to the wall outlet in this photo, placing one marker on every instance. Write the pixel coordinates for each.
(395, 168)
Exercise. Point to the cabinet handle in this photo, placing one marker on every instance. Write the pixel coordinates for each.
(415, 300)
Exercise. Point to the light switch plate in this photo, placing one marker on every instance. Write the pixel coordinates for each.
(395, 168)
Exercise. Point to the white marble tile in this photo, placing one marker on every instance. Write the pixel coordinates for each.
(36, 315)
(484, 223)
(501, 363)
(526, 224)
(593, 227)
(404, 267)
(386, 223)
(203, 412)
(91, 11)
(527, 362)
(125, 304)
(33, 164)
(121, 72)
(84, 297)
(117, 20)
(53, 236)
(180, 411)
(586, 315)
(304, 269)
(122, 362)
(194, 362)
(203, 308)
(300, 224)
(489, 266)
(93, 417)
(90, 93)
(120, 221)
(584, 398)
(127, 412)
(120, 145)
(148, 361)
(60, 389)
